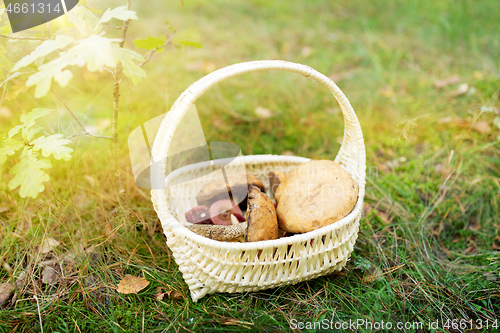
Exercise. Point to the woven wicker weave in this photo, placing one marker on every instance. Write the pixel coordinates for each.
(210, 266)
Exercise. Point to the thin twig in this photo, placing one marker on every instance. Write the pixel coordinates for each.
(125, 25)
(85, 132)
(116, 106)
(24, 38)
(150, 53)
(153, 51)
(92, 135)
(112, 26)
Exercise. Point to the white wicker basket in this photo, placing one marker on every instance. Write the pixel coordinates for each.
(210, 266)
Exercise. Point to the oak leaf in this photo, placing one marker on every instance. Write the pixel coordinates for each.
(132, 284)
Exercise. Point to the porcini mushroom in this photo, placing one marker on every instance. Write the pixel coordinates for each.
(223, 233)
(222, 210)
(315, 194)
(219, 190)
(275, 179)
(261, 217)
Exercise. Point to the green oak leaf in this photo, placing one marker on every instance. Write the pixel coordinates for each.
(2, 169)
(189, 43)
(29, 176)
(6, 29)
(54, 69)
(4, 62)
(130, 68)
(15, 130)
(53, 145)
(149, 43)
(120, 13)
(496, 122)
(84, 20)
(32, 132)
(43, 50)
(97, 52)
(9, 150)
(29, 119)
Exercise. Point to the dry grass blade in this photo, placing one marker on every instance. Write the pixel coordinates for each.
(438, 84)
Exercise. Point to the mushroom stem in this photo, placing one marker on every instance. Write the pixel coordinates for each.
(222, 233)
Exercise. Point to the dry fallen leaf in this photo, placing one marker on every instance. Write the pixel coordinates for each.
(445, 120)
(4, 209)
(478, 75)
(333, 111)
(201, 66)
(443, 169)
(132, 284)
(91, 129)
(471, 249)
(367, 208)
(263, 113)
(384, 217)
(172, 294)
(482, 127)
(175, 295)
(287, 153)
(159, 294)
(461, 89)
(387, 92)
(374, 273)
(48, 245)
(103, 123)
(5, 112)
(49, 275)
(474, 226)
(336, 77)
(496, 243)
(90, 180)
(6, 290)
(306, 51)
(438, 84)
(218, 124)
(108, 228)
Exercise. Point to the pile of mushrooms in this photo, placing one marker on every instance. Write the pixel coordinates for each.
(311, 196)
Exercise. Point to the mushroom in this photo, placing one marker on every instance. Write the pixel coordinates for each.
(223, 233)
(275, 179)
(222, 210)
(237, 186)
(315, 194)
(198, 215)
(261, 217)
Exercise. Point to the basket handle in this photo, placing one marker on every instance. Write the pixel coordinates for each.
(351, 154)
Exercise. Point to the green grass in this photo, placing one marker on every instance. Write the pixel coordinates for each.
(425, 250)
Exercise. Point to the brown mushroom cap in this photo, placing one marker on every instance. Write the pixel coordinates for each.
(275, 179)
(315, 194)
(261, 217)
(219, 190)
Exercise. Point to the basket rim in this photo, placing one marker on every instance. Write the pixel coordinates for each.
(250, 159)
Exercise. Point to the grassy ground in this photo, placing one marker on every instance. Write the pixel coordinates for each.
(429, 239)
